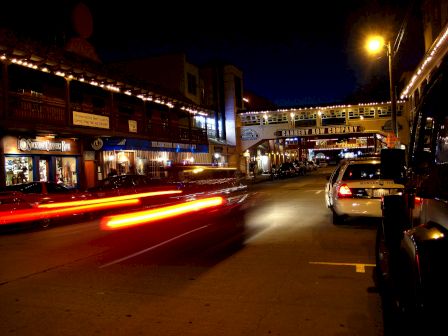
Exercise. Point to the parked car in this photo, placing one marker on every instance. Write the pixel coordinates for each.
(31, 194)
(44, 192)
(287, 169)
(322, 163)
(11, 201)
(411, 251)
(311, 165)
(300, 167)
(356, 187)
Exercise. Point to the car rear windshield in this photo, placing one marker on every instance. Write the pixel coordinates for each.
(367, 171)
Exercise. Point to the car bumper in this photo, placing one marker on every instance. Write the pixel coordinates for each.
(358, 207)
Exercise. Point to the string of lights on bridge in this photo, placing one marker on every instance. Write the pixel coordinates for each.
(319, 108)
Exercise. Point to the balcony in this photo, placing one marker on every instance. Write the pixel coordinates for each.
(163, 132)
(28, 109)
(34, 108)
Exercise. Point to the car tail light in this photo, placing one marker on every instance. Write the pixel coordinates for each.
(40, 214)
(126, 220)
(108, 199)
(344, 191)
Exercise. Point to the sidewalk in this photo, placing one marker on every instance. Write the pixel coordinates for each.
(258, 178)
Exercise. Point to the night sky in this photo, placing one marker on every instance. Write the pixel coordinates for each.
(292, 53)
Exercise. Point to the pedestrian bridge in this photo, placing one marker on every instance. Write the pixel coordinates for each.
(272, 137)
(330, 122)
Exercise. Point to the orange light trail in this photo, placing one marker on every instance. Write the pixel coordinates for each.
(108, 199)
(6, 217)
(142, 217)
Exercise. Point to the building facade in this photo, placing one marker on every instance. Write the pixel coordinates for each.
(425, 89)
(216, 86)
(223, 93)
(65, 118)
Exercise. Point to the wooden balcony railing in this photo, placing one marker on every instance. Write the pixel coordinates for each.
(164, 132)
(28, 108)
(38, 109)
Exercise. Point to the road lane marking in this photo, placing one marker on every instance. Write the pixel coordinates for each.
(359, 267)
(152, 247)
(314, 191)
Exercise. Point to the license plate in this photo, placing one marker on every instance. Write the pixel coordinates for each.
(373, 182)
(380, 192)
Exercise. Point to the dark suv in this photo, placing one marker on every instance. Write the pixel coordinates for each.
(412, 240)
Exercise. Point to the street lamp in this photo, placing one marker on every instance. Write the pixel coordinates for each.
(374, 45)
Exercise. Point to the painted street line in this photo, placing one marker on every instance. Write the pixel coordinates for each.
(152, 247)
(359, 267)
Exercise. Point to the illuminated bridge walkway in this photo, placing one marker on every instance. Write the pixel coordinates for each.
(286, 131)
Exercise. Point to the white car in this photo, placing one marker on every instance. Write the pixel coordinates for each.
(355, 189)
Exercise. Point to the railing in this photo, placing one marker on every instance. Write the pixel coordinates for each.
(88, 108)
(28, 108)
(164, 132)
(199, 136)
(37, 109)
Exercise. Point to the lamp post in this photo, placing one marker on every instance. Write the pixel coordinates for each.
(374, 45)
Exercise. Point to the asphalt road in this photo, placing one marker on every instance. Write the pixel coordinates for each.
(295, 274)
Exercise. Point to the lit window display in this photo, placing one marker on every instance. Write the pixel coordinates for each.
(44, 170)
(66, 171)
(18, 169)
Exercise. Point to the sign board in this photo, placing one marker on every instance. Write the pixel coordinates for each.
(39, 145)
(306, 131)
(248, 134)
(132, 126)
(90, 120)
(97, 144)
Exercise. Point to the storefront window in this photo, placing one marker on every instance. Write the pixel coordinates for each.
(18, 169)
(43, 170)
(66, 171)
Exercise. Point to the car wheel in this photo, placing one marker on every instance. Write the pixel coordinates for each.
(44, 223)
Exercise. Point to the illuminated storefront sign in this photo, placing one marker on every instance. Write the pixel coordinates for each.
(318, 131)
(139, 144)
(28, 145)
(40, 159)
(39, 145)
(160, 144)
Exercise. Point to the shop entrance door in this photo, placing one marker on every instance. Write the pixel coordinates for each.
(44, 170)
(89, 171)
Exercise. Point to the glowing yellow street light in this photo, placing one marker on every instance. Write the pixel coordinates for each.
(376, 44)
